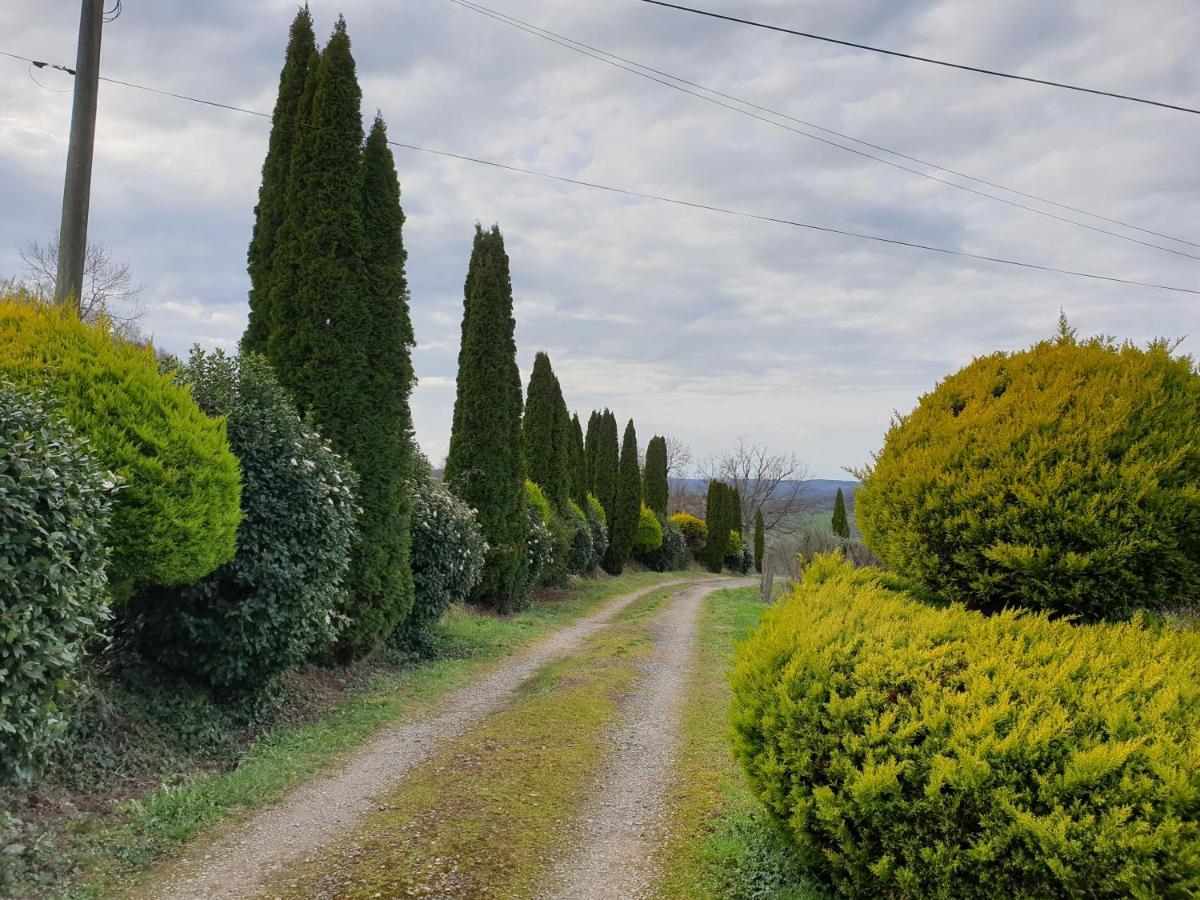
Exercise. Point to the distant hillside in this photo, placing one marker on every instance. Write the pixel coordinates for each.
(818, 492)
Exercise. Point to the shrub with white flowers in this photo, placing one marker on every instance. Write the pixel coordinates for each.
(276, 602)
(447, 554)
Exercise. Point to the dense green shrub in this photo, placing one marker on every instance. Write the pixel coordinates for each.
(178, 510)
(1065, 477)
(917, 752)
(276, 601)
(626, 511)
(581, 556)
(649, 534)
(598, 523)
(447, 555)
(695, 532)
(671, 553)
(55, 507)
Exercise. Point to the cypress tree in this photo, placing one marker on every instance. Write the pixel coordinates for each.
(712, 554)
(339, 333)
(485, 466)
(628, 507)
(579, 479)
(545, 433)
(841, 525)
(590, 445)
(654, 479)
(271, 210)
(607, 466)
(735, 511)
(759, 540)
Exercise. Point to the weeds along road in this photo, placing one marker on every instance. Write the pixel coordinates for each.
(333, 817)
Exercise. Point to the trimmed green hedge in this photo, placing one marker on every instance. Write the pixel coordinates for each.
(916, 752)
(178, 511)
(1065, 477)
(55, 506)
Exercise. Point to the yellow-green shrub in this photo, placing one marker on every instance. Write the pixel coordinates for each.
(918, 752)
(1065, 477)
(649, 534)
(177, 513)
(695, 532)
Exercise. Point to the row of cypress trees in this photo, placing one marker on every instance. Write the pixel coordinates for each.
(329, 305)
(723, 515)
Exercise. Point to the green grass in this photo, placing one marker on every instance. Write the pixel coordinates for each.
(719, 843)
(486, 815)
(110, 852)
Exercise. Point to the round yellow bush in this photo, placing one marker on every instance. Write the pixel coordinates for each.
(917, 752)
(178, 508)
(1065, 478)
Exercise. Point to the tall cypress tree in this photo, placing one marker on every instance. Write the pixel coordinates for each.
(271, 210)
(591, 444)
(841, 525)
(760, 540)
(628, 507)
(712, 554)
(608, 459)
(654, 479)
(579, 479)
(545, 433)
(339, 333)
(486, 466)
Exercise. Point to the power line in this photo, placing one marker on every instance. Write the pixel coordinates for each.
(924, 59)
(691, 204)
(625, 64)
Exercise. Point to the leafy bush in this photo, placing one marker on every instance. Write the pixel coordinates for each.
(55, 507)
(598, 523)
(447, 555)
(562, 537)
(1061, 478)
(649, 534)
(540, 542)
(581, 556)
(915, 752)
(672, 552)
(276, 601)
(177, 515)
(695, 532)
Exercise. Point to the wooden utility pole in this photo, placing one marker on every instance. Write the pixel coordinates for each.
(77, 189)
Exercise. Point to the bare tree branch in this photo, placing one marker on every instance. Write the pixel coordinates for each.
(679, 460)
(773, 482)
(108, 285)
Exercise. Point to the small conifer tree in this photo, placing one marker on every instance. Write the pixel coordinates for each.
(627, 509)
(841, 525)
(759, 541)
(654, 479)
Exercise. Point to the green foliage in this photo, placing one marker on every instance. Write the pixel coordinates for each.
(580, 484)
(671, 553)
(545, 433)
(339, 333)
(654, 479)
(485, 466)
(919, 752)
(760, 539)
(177, 514)
(723, 519)
(271, 211)
(840, 524)
(598, 525)
(623, 523)
(591, 446)
(694, 531)
(606, 467)
(277, 600)
(55, 507)
(581, 556)
(447, 556)
(649, 535)
(1063, 478)
(539, 540)
(738, 556)
(535, 499)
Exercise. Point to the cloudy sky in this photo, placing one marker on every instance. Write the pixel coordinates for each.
(695, 324)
